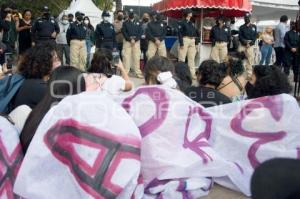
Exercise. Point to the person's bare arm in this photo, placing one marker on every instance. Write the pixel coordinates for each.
(128, 82)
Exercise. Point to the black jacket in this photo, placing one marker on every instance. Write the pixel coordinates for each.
(132, 30)
(218, 34)
(43, 28)
(248, 33)
(187, 29)
(156, 29)
(291, 40)
(76, 31)
(105, 32)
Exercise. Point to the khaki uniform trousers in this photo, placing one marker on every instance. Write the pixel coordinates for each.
(78, 54)
(249, 52)
(153, 49)
(131, 57)
(188, 50)
(219, 52)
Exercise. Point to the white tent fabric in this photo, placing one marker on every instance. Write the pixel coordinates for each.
(273, 9)
(88, 8)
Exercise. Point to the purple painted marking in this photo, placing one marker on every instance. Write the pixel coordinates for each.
(196, 144)
(160, 196)
(275, 106)
(185, 195)
(182, 185)
(154, 183)
(161, 101)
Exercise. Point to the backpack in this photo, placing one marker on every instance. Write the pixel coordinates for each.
(9, 86)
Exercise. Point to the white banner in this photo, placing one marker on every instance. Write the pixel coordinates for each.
(166, 145)
(11, 156)
(82, 150)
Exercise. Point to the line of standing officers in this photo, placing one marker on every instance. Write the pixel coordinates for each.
(126, 36)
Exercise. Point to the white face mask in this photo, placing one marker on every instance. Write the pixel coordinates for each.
(105, 18)
(65, 22)
(86, 22)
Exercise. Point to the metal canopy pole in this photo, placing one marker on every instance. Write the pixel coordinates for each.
(202, 25)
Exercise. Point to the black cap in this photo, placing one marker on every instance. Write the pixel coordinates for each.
(187, 11)
(154, 13)
(221, 18)
(247, 15)
(105, 13)
(46, 9)
(77, 14)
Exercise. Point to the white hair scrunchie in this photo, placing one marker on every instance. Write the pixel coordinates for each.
(166, 78)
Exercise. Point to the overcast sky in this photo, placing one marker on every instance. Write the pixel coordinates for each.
(141, 2)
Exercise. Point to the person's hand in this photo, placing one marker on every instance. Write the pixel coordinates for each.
(157, 42)
(132, 42)
(1, 50)
(294, 50)
(53, 35)
(120, 66)
(32, 43)
(4, 68)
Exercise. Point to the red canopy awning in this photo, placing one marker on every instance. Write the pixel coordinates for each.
(230, 8)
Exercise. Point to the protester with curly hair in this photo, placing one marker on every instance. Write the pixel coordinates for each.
(209, 76)
(35, 66)
(267, 81)
(63, 82)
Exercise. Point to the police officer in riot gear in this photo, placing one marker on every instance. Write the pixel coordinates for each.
(105, 34)
(45, 29)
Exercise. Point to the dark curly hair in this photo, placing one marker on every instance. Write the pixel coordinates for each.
(211, 73)
(101, 62)
(156, 65)
(37, 62)
(270, 80)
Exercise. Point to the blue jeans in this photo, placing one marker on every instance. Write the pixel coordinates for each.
(266, 53)
(89, 45)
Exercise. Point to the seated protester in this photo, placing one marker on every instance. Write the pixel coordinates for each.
(267, 81)
(35, 66)
(233, 85)
(209, 76)
(54, 93)
(159, 71)
(183, 76)
(104, 74)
